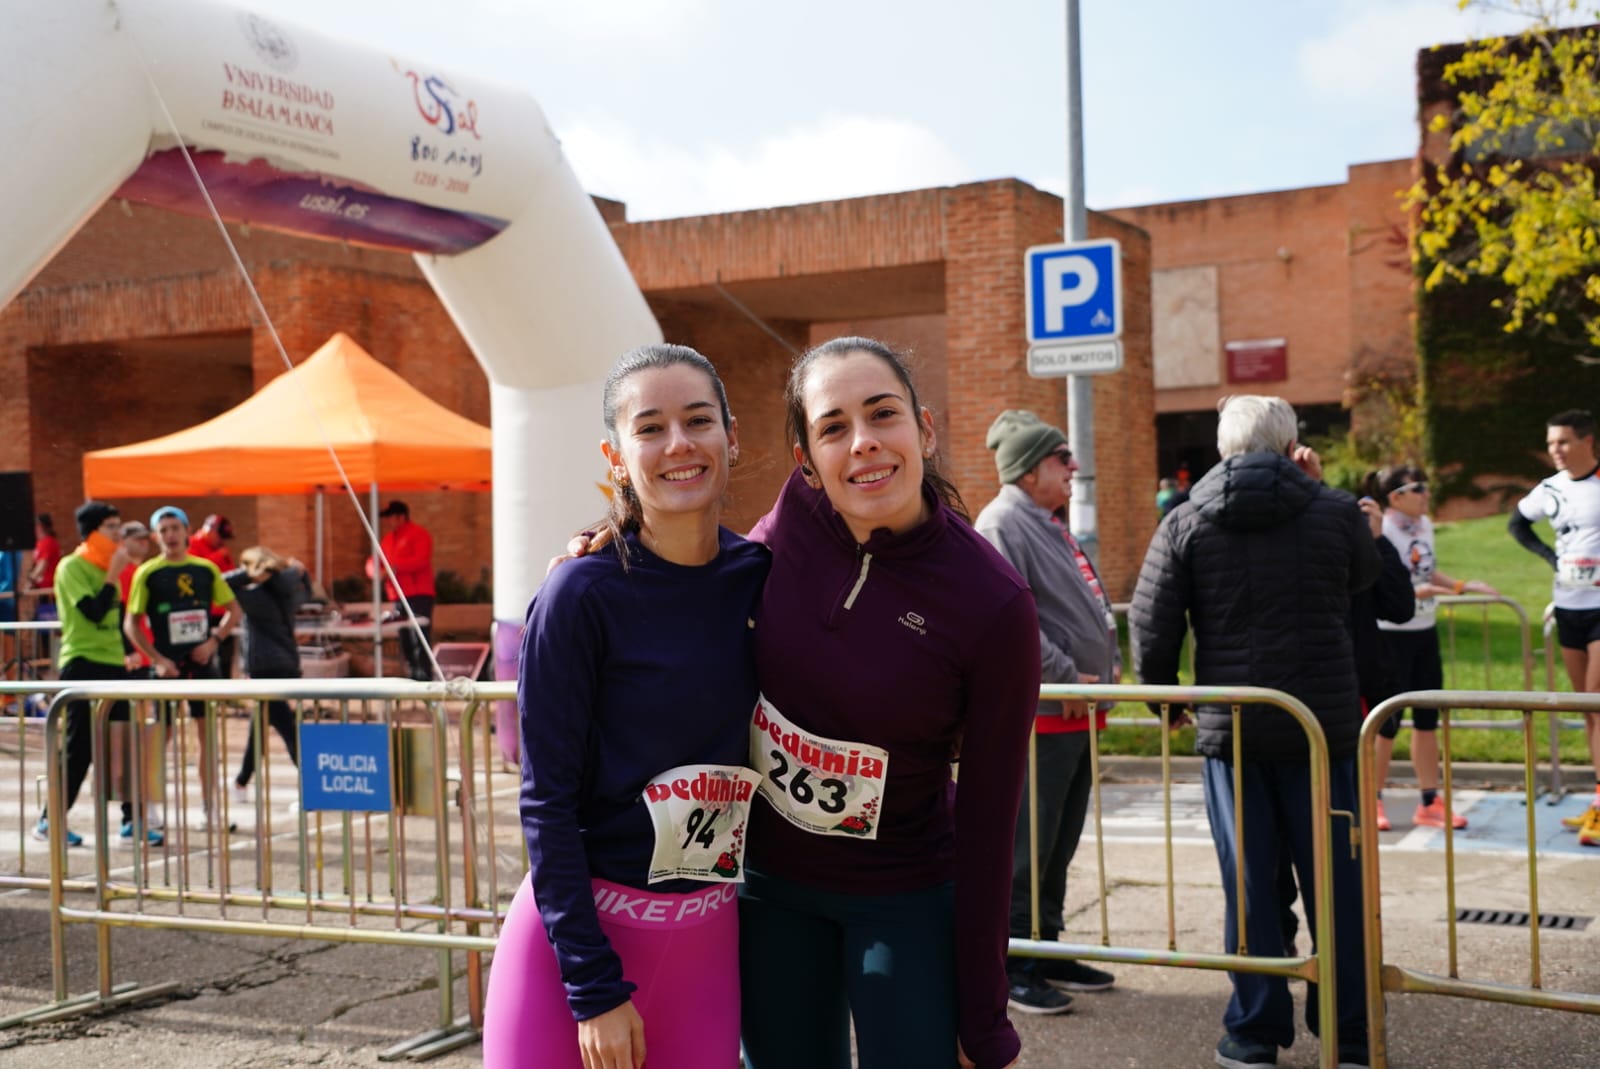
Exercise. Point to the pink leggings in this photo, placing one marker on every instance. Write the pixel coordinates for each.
(684, 957)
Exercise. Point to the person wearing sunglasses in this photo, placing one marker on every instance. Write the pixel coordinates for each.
(1077, 644)
(1412, 648)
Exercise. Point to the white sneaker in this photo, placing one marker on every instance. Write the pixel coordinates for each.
(293, 808)
(152, 816)
(240, 797)
(206, 824)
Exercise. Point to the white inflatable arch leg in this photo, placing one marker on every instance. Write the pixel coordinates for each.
(546, 303)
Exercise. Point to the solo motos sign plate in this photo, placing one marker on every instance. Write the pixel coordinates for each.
(1084, 358)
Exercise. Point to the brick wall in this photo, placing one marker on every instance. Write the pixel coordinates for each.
(1324, 267)
(936, 271)
(754, 365)
(141, 327)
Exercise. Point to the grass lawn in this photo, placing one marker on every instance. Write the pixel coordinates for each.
(1481, 647)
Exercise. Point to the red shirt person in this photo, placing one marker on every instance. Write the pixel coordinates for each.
(408, 547)
(42, 573)
(208, 542)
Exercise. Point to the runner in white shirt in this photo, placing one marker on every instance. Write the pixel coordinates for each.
(1412, 648)
(1570, 500)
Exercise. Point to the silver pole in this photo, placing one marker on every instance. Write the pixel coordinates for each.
(1080, 388)
(318, 526)
(377, 588)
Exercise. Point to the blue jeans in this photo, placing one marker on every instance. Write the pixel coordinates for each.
(811, 960)
(1277, 827)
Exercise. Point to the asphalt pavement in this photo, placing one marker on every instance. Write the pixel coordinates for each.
(247, 1002)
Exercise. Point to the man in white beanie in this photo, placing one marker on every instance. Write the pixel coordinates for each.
(1077, 644)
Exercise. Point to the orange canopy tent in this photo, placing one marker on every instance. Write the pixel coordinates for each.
(383, 429)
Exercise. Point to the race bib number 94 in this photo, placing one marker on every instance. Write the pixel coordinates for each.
(699, 813)
(826, 786)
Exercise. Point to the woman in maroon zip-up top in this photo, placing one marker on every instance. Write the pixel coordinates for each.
(890, 638)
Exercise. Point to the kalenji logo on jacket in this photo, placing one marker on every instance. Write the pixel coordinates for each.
(915, 622)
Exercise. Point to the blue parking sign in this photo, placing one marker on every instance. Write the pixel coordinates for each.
(345, 767)
(1074, 292)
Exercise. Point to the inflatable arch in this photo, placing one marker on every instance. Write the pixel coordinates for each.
(300, 132)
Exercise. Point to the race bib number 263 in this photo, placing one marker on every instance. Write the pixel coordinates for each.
(825, 786)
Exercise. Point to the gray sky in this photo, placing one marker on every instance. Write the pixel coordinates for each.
(685, 107)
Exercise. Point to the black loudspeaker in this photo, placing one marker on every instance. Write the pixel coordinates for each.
(16, 510)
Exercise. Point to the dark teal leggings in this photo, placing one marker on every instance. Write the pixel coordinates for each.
(810, 961)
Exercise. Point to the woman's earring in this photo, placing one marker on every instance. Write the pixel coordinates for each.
(619, 476)
(805, 469)
(733, 459)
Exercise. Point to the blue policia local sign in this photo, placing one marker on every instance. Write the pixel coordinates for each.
(345, 767)
(1074, 292)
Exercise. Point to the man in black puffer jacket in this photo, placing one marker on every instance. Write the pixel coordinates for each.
(1262, 561)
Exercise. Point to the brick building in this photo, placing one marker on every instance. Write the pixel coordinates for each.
(142, 326)
(1290, 293)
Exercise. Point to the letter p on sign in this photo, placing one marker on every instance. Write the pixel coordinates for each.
(1074, 292)
(1068, 282)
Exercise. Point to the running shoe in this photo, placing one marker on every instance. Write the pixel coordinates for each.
(1383, 818)
(1589, 834)
(151, 836)
(41, 831)
(1029, 995)
(1235, 1052)
(1434, 815)
(1074, 975)
(1573, 823)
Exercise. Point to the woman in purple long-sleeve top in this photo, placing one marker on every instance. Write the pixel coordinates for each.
(635, 692)
(891, 638)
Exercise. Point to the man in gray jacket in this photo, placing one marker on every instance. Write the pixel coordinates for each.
(1077, 644)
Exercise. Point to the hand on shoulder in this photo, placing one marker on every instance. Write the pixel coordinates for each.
(580, 545)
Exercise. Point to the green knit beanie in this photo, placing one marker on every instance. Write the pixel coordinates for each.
(1020, 440)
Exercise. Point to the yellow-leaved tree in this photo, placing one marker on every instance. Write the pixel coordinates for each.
(1507, 189)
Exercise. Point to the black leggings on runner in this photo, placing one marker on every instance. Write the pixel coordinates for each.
(281, 717)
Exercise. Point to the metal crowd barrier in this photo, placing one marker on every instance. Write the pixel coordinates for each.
(1453, 652)
(1384, 976)
(22, 740)
(27, 648)
(1449, 611)
(432, 899)
(1320, 964)
(1454, 671)
(420, 894)
(1558, 788)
